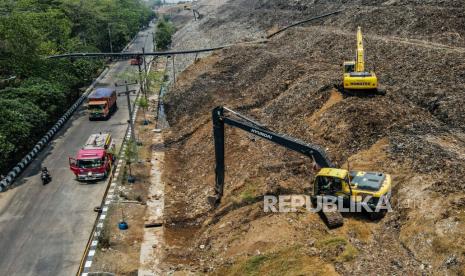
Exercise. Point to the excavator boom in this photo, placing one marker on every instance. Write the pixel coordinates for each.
(360, 60)
(240, 121)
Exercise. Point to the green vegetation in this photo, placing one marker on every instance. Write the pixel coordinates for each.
(249, 192)
(144, 104)
(33, 29)
(130, 154)
(248, 196)
(253, 264)
(155, 80)
(165, 30)
(288, 261)
(157, 3)
(333, 243)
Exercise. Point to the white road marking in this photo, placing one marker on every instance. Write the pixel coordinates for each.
(91, 253)
(88, 264)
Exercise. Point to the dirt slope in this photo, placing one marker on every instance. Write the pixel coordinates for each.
(416, 133)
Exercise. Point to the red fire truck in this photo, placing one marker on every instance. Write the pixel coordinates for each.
(94, 159)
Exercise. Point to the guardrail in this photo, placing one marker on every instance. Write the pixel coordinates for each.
(21, 165)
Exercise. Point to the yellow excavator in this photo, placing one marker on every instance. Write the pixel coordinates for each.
(357, 80)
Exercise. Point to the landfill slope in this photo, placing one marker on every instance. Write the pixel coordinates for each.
(416, 133)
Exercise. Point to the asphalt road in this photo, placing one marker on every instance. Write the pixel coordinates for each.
(44, 229)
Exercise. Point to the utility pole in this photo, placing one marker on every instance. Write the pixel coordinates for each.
(127, 92)
(140, 77)
(146, 73)
(109, 37)
(174, 72)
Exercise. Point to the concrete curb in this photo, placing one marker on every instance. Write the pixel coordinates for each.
(43, 142)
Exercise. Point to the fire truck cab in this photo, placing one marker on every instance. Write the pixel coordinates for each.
(95, 159)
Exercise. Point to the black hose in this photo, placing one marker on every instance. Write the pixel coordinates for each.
(303, 21)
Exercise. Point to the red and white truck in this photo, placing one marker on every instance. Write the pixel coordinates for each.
(95, 159)
(102, 103)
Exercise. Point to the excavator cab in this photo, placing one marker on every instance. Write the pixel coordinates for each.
(328, 185)
(349, 67)
(331, 181)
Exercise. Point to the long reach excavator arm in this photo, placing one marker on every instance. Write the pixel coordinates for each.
(360, 59)
(238, 120)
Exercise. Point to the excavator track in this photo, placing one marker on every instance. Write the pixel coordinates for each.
(332, 216)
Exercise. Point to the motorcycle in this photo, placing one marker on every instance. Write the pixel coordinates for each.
(45, 176)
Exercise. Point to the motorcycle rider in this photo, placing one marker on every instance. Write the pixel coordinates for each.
(45, 175)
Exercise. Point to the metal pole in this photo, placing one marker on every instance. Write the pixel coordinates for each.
(127, 92)
(133, 137)
(109, 36)
(145, 71)
(174, 72)
(141, 80)
(218, 134)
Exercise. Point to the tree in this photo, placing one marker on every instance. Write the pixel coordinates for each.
(130, 155)
(21, 122)
(164, 33)
(6, 150)
(19, 45)
(157, 3)
(144, 104)
(49, 97)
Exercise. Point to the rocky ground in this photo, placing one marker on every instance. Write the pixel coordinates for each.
(416, 133)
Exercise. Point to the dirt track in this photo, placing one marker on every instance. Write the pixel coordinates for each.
(416, 133)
